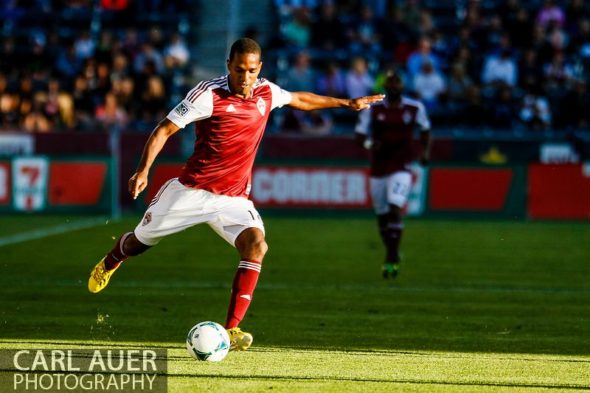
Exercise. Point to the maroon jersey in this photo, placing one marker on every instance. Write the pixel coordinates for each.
(391, 129)
(228, 131)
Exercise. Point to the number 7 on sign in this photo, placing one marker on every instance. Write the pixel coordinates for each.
(30, 183)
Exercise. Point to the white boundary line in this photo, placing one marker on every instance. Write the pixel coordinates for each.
(54, 230)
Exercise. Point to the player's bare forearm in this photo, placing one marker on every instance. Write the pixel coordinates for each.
(307, 101)
(138, 182)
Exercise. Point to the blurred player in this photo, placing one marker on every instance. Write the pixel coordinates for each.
(387, 129)
(230, 112)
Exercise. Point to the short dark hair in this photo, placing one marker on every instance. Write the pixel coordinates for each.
(244, 45)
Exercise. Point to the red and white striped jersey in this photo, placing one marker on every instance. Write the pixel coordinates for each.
(228, 132)
(391, 129)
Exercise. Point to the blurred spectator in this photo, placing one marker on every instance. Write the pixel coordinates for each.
(105, 47)
(287, 7)
(535, 111)
(67, 63)
(120, 66)
(557, 73)
(427, 26)
(441, 48)
(429, 86)
(575, 105)
(327, 32)
(110, 114)
(102, 82)
(358, 80)
(364, 37)
(301, 76)
(83, 103)
(130, 44)
(520, 28)
(153, 100)
(475, 111)
(422, 55)
(397, 36)
(38, 61)
(34, 117)
(580, 43)
(297, 31)
(177, 51)
(332, 82)
(540, 44)
(84, 46)
(59, 107)
(9, 111)
(459, 83)
(500, 69)
(550, 13)
(503, 110)
(124, 90)
(148, 54)
(575, 13)
(410, 16)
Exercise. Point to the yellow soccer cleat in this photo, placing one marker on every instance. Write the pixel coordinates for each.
(239, 340)
(99, 277)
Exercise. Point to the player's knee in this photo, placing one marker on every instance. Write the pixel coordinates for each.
(257, 248)
(262, 247)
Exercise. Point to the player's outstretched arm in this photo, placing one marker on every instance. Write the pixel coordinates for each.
(138, 182)
(306, 101)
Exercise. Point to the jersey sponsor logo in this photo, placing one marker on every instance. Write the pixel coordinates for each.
(147, 218)
(230, 108)
(181, 109)
(261, 105)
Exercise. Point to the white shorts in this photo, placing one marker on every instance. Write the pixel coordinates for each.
(390, 190)
(177, 207)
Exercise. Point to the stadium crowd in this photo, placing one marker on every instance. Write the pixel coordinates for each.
(506, 64)
(86, 65)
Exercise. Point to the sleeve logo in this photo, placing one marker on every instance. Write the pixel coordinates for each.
(181, 109)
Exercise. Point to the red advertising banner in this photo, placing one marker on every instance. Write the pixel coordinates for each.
(559, 191)
(281, 186)
(76, 182)
(469, 189)
(5, 184)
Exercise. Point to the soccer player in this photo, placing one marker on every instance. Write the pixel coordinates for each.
(387, 130)
(231, 113)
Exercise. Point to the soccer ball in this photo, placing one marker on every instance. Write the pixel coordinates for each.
(208, 341)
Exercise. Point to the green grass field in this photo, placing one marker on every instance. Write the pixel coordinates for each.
(479, 306)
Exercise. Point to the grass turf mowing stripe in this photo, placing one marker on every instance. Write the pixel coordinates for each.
(344, 287)
(51, 231)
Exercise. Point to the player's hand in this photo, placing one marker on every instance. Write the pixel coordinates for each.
(358, 104)
(137, 183)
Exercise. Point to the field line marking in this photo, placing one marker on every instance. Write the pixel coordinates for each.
(50, 231)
